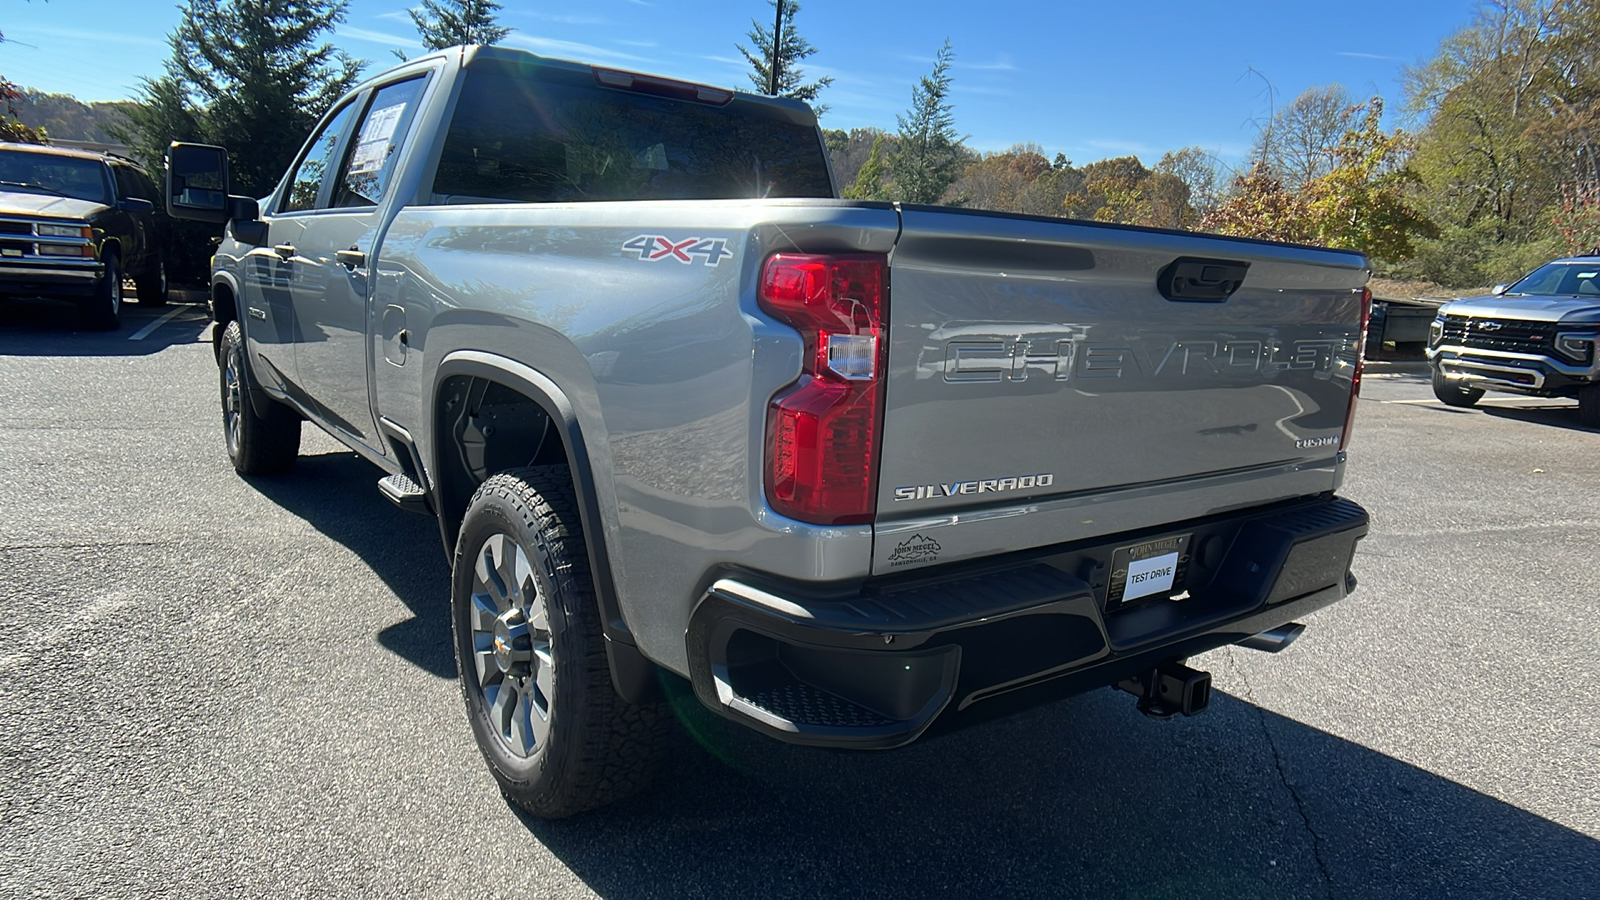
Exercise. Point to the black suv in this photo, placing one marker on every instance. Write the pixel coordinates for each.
(74, 224)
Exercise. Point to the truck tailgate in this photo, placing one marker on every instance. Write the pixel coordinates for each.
(1041, 388)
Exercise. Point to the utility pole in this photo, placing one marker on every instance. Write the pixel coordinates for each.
(777, 51)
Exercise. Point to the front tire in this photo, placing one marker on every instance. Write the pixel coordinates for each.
(1453, 394)
(257, 444)
(102, 310)
(552, 728)
(1589, 406)
(151, 287)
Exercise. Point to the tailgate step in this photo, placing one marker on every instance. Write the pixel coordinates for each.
(405, 493)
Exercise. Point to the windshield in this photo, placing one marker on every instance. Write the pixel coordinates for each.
(48, 173)
(1580, 279)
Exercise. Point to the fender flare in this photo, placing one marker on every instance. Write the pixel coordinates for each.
(549, 397)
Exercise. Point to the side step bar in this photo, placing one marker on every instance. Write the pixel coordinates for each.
(405, 493)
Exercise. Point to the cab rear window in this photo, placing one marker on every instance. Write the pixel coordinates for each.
(519, 137)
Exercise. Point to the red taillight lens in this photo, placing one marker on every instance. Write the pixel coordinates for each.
(1361, 359)
(823, 433)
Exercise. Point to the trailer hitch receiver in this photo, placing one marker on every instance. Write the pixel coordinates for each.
(1169, 689)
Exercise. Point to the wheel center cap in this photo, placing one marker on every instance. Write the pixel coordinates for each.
(513, 645)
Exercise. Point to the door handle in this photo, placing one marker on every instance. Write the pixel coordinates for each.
(350, 259)
(285, 251)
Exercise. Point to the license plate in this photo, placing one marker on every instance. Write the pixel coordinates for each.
(1151, 569)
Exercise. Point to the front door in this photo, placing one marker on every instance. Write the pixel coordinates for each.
(270, 271)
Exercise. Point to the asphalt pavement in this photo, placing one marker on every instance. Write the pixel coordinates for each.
(213, 686)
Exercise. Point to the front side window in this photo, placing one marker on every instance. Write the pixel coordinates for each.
(318, 164)
(524, 136)
(373, 157)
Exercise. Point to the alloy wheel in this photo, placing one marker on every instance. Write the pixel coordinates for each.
(511, 652)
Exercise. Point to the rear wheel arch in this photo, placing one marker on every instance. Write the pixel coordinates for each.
(529, 403)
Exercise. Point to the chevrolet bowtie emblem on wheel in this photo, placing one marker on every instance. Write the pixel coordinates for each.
(500, 645)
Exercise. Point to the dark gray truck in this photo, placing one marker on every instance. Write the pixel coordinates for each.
(844, 471)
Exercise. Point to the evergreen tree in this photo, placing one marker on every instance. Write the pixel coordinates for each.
(930, 153)
(446, 23)
(869, 181)
(164, 113)
(791, 50)
(254, 78)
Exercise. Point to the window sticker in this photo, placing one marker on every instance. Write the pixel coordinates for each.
(372, 150)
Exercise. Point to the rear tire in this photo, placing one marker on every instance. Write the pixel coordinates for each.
(151, 287)
(102, 310)
(257, 444)
(1453, 394)
(1589, 406)
(532, 660)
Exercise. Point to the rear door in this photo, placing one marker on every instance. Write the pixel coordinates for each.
(1034, 360)
(331, 285)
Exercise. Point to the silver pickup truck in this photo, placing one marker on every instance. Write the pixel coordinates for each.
(691, 426)
(1535, 337)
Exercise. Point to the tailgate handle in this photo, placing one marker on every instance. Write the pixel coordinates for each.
(1193, 280)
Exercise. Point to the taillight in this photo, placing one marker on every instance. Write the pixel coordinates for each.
(1361, 359)
(823, 433)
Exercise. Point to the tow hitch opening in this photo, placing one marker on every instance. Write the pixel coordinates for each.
(1169, 689)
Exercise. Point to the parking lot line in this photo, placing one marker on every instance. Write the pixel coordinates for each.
(144, 332)
(1428, 400)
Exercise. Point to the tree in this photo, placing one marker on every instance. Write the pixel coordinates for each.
(11, 128)
(165, 113)
(868, 184)
(255, 79)
(1361, 203)
(1259, 207)
(1020, 180)
(791, 50)
(1297, 144)
(1201, 173)
(446, 23)
(930, 152)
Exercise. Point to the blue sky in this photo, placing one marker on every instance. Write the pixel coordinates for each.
(1088, 79)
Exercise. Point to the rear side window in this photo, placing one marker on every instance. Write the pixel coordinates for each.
(520, 138)
(375, 152)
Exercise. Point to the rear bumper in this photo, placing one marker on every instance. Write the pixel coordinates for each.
(875, 664)
(52, 279)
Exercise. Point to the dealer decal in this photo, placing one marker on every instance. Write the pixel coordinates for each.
(659, 248)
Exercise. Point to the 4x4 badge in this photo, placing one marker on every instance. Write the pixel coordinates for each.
(659, 247)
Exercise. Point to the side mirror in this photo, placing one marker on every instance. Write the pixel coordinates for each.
(1500, 289)
(197, 182)
(136, 206)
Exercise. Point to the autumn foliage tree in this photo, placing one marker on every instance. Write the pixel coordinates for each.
(1260, 207)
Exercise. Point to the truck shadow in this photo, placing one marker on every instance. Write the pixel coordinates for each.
(1081, 798)
(40, 327)
(1554, 416)
(336, 494)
